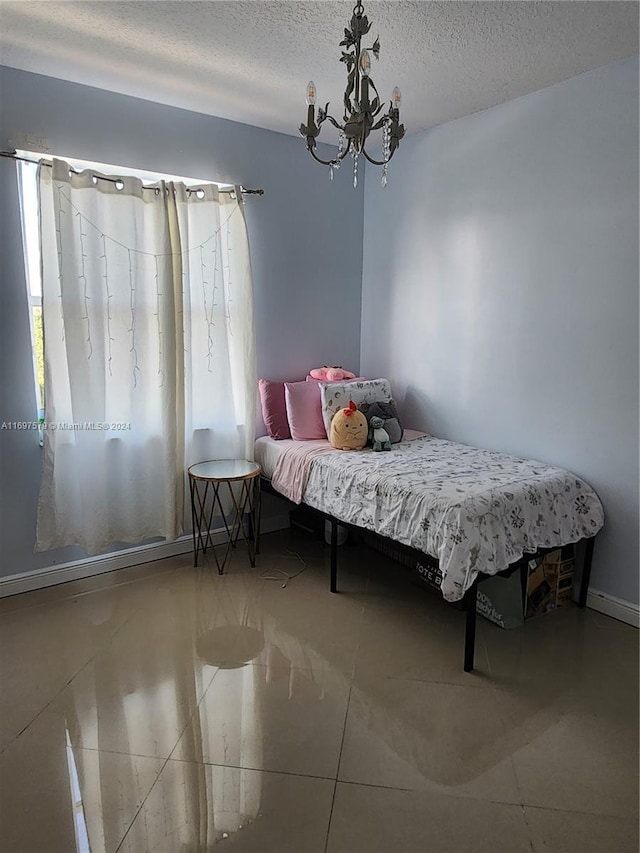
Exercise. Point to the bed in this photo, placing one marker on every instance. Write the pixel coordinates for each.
(466, 513)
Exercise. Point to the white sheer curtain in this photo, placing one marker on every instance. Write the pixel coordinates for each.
(149, 352)
(218, 325)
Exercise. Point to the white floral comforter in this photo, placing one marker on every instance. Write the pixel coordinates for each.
(473, 510)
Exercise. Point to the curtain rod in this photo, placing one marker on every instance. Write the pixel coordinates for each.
(14, 156)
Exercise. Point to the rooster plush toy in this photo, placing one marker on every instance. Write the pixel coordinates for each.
(349, 429)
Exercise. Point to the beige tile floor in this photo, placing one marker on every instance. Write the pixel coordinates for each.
(165, 709)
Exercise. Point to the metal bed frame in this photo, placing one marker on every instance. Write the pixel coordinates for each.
(583, 555)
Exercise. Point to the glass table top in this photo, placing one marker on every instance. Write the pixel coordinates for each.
(224, 469)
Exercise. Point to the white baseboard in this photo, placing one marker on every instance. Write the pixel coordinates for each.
(624, 611)
(79, 569)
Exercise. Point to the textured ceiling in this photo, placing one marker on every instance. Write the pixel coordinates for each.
(251, 61)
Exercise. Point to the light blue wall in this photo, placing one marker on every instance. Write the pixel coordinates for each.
(500, 289)
(302, 235)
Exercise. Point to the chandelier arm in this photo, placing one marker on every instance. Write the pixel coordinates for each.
(380, 101)
(320, 160)
(379, 123)
(374, 114)
(375, 162)
(336, 124)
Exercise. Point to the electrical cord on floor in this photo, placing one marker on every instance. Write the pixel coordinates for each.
(276, 574)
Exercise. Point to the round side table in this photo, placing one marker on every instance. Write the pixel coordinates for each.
(205, 481)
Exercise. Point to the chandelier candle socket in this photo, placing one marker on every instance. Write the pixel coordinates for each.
(360, 113)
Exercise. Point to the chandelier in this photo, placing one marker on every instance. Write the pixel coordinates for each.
(360, 111)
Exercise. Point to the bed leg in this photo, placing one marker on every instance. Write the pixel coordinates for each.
(583, 553)
(470, 598)
(524, 584)
(334, 556)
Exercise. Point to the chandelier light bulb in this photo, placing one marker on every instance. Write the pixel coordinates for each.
(365, 63)
(396, 98)
(311, 93)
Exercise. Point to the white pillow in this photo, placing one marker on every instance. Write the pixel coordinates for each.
(336, 395)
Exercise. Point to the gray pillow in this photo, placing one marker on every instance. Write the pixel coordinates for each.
(389, 414)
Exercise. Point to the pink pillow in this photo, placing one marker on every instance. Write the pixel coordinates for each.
(304, 410)
(274, 410)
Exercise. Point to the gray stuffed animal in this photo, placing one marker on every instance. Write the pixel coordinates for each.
(378, 434)
(389, 414)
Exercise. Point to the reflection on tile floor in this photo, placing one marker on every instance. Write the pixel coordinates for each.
(163, 709)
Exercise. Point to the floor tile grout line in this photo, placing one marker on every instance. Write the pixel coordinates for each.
(166, 761)
(361, 784)
(344, 732)
(491, 801)
(527, 828)
(346, 717)
(68, 683)
(445, 794)
(126, 621)
(441, 681)
(266, 770)
(95, 654)
(169, 758)
(141, 806)
(333, 799)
